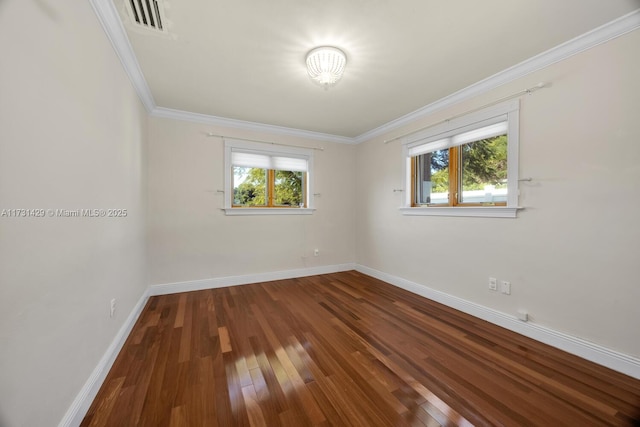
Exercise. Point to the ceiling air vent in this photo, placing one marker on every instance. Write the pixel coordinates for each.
(147, 14)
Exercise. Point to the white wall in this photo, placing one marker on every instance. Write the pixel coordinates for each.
(190, 238)
(72, 134)
(572, 257)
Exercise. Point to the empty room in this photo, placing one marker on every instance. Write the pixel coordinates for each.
(337, 213)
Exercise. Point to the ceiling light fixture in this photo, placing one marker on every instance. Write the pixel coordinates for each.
(325, 65)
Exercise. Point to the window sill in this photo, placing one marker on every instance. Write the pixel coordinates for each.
(268, 211)
(480, 211)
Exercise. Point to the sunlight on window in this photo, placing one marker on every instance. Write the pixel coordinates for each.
(249, 186)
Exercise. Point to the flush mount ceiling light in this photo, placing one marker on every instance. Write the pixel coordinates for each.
(325, 65)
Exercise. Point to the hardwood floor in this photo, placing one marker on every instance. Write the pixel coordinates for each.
(344, 349)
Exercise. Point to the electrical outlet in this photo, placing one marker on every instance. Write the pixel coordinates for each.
(493, 283)
(112, 308)
(505, 287)
(316, 252)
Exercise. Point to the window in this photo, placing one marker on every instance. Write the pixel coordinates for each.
(466, 166)
(262, 178)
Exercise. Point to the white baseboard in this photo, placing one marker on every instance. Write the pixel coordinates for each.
(83, 400)
(617, 361)
(88, 392)
(587, 350)
(221, 282)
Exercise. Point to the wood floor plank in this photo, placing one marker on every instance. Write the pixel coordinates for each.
(345, 349)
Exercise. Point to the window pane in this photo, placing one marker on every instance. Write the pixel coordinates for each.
(249, 186)
(484, 171)
(288, 188)
(432, 178)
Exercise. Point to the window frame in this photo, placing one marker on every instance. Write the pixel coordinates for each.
(506, 111)
(271, 150)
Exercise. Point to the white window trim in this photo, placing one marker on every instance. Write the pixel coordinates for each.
(270, 149)
(475, 211)
(510, 109)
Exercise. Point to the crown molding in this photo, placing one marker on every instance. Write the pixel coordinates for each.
(597, 36)
(110, 20)
(168, 113)
(112, 25)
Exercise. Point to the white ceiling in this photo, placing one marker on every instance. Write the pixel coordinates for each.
(244, 59)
